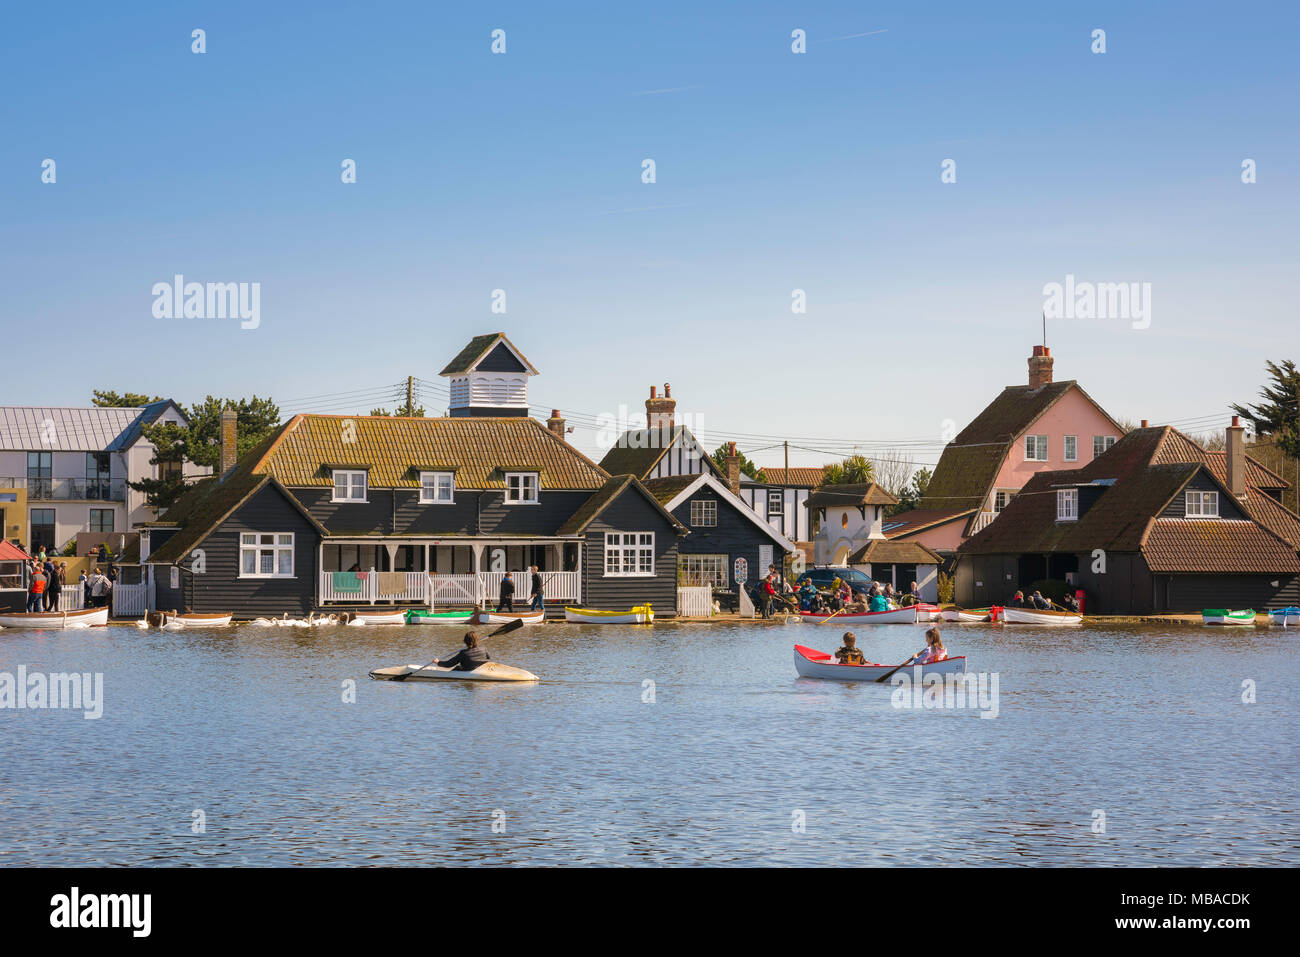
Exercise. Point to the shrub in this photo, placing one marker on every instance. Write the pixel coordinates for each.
(946, 588)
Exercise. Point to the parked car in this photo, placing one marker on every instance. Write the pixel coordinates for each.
(822, 578)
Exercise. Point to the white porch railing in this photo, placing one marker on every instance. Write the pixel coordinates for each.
(454, 590)
(72, 598)
(129, 600)
(556, 586)
(369, 588)
(982, 520)
(695, 601)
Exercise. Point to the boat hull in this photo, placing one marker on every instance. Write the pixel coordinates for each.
(504, 618)
(928, 612)
(1036, 616)
(640, 615)
(969, 614)
(195, 621)
(492, 671)
(1285, 616)
(810, 663)
(897, 616)
(1224, 616)
(395, 617)
(439, 617)
(84, 618)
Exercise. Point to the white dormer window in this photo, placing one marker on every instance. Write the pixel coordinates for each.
(521, 488)
(349, 486)
(1202, 504)
(1035, 448)
(1067, 504)
(437, 488)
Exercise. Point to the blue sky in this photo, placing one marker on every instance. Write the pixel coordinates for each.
(775, 172)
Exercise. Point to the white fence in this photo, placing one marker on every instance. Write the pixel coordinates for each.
(72, 598)
(369, 588)
(695, 601)
(130, 600)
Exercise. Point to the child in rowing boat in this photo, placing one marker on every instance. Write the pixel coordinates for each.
(934, 649)
(469, 657)
(850, 654)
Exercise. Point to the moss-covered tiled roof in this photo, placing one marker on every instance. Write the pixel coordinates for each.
(477, 348)
(667, 489)
(611, 490)
(868, 493)
(895, 553)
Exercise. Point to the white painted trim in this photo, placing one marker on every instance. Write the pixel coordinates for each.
(706, 478)
(438, 501)
(334, 485)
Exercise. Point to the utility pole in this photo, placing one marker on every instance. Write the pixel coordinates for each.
(410, 395)
(787, 461)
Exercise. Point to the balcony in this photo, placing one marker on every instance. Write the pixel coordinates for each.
(68, 489)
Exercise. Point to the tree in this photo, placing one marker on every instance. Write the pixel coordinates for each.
(893, 470)
(1278, 415)
(855, 470)
(105, 398)
(200, 442)
(404, 410)
(911, 495)
(746, 466)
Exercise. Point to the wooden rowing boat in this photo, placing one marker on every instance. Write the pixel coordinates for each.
(1225, 616)
(491, 671)
(1039, 616)
(505, 617)
(421, 616)
(376, 616)
(1285, 616)
(927, 612)
(82, 618)
(811, 663)
(639, 615)
(895, 616)
(171, 619)
(972, 614)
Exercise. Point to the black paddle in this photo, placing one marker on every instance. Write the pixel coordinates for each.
(508, 626)
(885, 677)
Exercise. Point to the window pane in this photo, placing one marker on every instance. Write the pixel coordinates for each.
(285, 564)
(284, 539)
(248, 539)
(266, 562)
(248, 561)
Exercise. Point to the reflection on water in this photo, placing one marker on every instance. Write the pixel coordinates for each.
(249, 725)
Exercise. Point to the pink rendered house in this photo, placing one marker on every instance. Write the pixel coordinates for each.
(1026, 429)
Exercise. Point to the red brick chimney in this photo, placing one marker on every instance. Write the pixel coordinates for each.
(1236, 446)
(733, 469)
(556, 424)
(1143, 425)
(229, 440)
(1040, 367)
(659, 412)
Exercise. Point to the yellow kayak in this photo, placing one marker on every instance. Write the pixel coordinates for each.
(640, 615)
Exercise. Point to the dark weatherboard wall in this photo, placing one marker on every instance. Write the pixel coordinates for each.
(734, 536)
(630, 512)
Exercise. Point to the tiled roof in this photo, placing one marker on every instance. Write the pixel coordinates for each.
(895, 553)
(918, 519)
(396, 448)
(637, 452)
(202, 508)
(477, 348)
(9, 552)
(1257, 475)
(963, 476)
(613, 487)
(47, 428)
(796, 476)
(1179, 545)
(666, 489)
(869, 493)
(1274, 516)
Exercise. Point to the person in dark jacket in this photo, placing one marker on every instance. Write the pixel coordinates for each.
(506, 600)
(536, 602)
(54, 587)
(469, 657)
(1040, 602)
(1018, 601)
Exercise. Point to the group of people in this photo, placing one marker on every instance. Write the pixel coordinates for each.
(850, 654)
(841, 597)
(47, 579)
(506, 597)
(1037, 600)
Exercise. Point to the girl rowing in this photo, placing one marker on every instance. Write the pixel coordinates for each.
(934, 649)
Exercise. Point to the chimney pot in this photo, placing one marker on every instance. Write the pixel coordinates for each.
(1144, 423)
(1236, 421)
(653, 392)
(659, 412)
(1040, 367)
(555, 424)
(668, 391)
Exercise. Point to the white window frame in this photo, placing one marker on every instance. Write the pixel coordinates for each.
(702, 517)
(275, 548)
(515, 492)
(632, 554)
(1036, 448)
(350, 485)
(1067, 504)
(1105, 441)
(777, 496)
(710, 569)
(1205, 500)
(1006, 493)
(1071, 448)
(431, 494)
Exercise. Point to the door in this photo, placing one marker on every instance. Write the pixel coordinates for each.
(42, 530)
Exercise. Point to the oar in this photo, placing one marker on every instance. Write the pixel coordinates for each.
(508, 626)
(903, 665)
(824, 620)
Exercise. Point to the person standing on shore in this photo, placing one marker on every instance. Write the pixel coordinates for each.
(84, 581)
(536, 595)
(36, 590)
(54, 588)
(506, 599)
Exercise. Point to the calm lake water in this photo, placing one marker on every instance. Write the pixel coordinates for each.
(248, 725)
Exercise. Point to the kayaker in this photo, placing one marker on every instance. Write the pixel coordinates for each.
(850, 654)
(469, 657)
(934, 649)
(506, 600)
(536, 596)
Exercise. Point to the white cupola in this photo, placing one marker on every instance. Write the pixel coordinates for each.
(489, 378)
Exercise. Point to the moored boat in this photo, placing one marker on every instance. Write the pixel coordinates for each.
(422, 616)
(971, 614)
(1285, 616)
(811, 663)
(171, 619)
(1226, 616)
(486, 617)
(491, 671)
(378, 616)
(82, 618)
(639, 615)
(927, 612)
(1039, 616)
(895, 616)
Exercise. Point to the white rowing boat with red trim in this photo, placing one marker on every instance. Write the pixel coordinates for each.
(1038, 616)
(811, 663)
(82, 618)
(895, 616)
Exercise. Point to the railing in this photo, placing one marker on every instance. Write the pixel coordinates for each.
(130, 600)
(60, 489)
(694, 601)
(368, 588)
(982, 520)
(72, 598)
